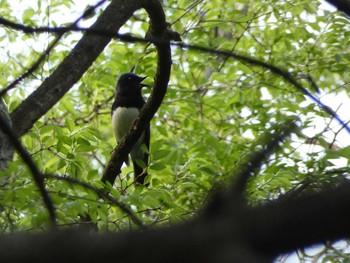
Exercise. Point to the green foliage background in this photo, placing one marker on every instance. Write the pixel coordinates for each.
(214, 113)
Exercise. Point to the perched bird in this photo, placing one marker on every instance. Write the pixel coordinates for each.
(125, 109)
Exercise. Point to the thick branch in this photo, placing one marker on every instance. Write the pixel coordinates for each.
(72, 67)
(6, 147)
(301, 222)
(236, 234)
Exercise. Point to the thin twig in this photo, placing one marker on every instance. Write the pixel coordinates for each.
(102, 194)
(37, 63)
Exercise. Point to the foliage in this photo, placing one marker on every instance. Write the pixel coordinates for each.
(214, 112)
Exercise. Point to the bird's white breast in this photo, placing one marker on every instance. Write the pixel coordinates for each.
(122, 119)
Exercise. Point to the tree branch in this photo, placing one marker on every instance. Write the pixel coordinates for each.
(37, 175)
(269, 143)
(283, 73)
(253, 234)
(303, 221)
(262, 151)
(6, 147)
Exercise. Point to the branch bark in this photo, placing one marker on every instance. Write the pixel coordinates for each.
(6, 147)
(233, 234)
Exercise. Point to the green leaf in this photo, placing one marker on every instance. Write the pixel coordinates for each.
(160, 154)
(157, 166)
(70, 124)
(84, 148)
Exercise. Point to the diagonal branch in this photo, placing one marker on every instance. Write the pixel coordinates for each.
(271, 141)
(235, 192)
(274, 69)
(37, 175)
(6, 147)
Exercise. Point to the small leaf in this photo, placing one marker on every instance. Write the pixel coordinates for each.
(70, 124)
(157, 166)
(85, 148)
(162, 153)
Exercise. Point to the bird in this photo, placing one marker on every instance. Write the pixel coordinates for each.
(125, 109)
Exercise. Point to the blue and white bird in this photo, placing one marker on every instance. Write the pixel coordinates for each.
(125, 109)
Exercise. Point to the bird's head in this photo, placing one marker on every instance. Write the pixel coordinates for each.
(130, 83)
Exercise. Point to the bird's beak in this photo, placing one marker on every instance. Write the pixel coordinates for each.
(144, 85)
